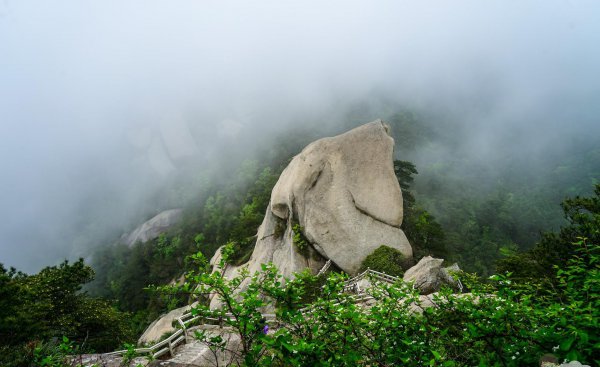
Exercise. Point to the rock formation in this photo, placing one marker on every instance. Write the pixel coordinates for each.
(152, 228)
(342, 194)
(428, 275)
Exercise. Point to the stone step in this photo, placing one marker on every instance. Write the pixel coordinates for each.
(190, 353)
(187, 355)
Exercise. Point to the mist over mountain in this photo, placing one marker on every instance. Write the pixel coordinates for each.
(107, 108)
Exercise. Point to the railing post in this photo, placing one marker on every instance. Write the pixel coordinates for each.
(185, 333)
(171, 349)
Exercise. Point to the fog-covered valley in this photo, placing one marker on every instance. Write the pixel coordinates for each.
(102, 105)
(141, 137)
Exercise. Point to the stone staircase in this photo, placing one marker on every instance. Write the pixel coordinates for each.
(191, 354)
(196, 354)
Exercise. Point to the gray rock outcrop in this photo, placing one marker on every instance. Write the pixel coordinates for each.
(342, 191)
(153, 227)
(428, 275)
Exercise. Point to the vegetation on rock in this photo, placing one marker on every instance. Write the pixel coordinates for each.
(386, 260)
(299, 239)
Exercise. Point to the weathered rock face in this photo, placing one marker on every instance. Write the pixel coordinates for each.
(152, 228)
(428, 275)
(344, 194)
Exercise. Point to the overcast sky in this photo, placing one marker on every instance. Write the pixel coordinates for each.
(103, 99)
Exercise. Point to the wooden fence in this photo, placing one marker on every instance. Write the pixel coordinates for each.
(180, 335)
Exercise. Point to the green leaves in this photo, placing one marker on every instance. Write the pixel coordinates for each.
(299, 239)
(51, 305)
(566, 344)
(500, 323)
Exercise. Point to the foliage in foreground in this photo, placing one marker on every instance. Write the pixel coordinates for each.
(499, 323)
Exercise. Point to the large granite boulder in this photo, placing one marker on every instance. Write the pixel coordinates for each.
(153, 227)
(343, 195)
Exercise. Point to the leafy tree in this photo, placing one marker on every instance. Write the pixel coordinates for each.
(554, 249)
(404, 173)
(50, 304)
(242, 235)
(424, 233)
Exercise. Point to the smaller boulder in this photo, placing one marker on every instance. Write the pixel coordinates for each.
(447, 276)
(428, 276)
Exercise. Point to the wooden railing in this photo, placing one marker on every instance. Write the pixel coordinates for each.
(180, 335)
(159, 349)
(351, 285)
(325, 268)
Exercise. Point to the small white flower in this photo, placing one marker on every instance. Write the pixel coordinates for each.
(554, 349)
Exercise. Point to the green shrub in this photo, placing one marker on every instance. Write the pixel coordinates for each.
(500, 323)
(386, 260)
(299, 239)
